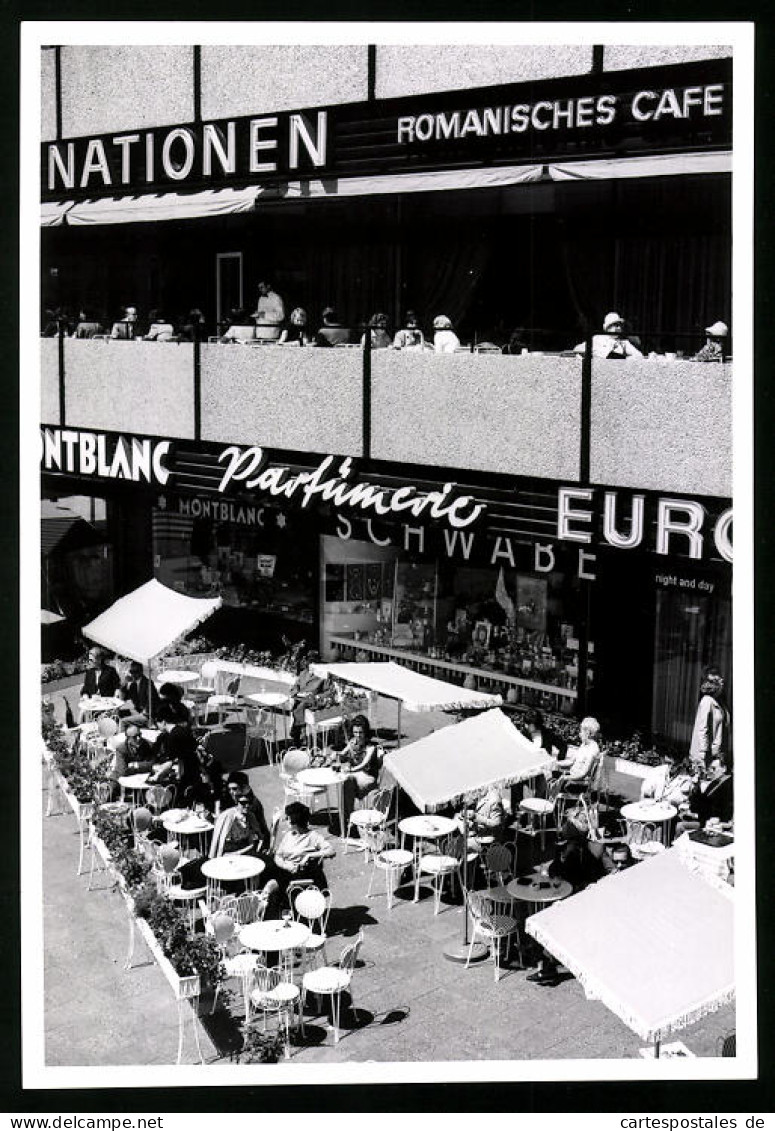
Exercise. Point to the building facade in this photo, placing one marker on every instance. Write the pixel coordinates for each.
(552, 524)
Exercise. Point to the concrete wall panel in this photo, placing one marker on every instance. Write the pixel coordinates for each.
(49, 381)
(662, 427)
(417, 70)
(107, 89)
(48, 95)
(512, 415)
(143, 387)
(621, 57)
(256, 80)
(280, 397)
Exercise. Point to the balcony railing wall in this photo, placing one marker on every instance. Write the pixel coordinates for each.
(663, 426)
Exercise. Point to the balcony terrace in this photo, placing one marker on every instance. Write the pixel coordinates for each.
(645, 424)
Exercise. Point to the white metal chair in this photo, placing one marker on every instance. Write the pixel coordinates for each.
(498, 864)
(248, 907)
(158, 798)
(372, 816)
(225, 702)
(540, 811)
(332, 981)
(272, 997)
(443, 863)
(236, 961)
(322, 728)
(392, 861)
(142, 819)
(260, 726)
(492, 927)
(313, 906)
(292, 763)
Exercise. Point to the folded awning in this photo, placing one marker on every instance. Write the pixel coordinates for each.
(661, 165)
(147, 621)
(225, 201)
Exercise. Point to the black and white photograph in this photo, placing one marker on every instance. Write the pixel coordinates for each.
(380, 421)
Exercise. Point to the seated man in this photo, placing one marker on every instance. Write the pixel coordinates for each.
(488, 816)
(711, 799)
(332, 332)
(670, 782)
(613, 342)
(134, 755)
(159, 329)
(140, 696)
(306, 687)
(125, 330)
(100, 678)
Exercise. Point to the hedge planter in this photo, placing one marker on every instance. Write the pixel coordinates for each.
(63, 684)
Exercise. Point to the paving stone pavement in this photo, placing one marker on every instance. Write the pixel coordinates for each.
(413, 1003)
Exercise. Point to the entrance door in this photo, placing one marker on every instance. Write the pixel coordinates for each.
(228, 283)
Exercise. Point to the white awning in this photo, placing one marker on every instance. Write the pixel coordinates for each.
(660, 920)
(53, 212)
(163, 206)
(416, 692)
(146, 622)
(463, 761)
(662, 165)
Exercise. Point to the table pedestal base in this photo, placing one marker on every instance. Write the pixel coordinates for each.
(458, 952)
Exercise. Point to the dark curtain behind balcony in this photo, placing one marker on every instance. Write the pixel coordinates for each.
(443, 271)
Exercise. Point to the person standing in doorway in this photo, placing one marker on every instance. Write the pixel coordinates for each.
(711, 735)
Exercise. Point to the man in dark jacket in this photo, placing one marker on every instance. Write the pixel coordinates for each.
(100, 677)
(135, 690)
(712, 798)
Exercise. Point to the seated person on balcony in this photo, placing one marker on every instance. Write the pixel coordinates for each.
(332, 332)
(713, 350)
(711, 799)
(100, 677)
(239, 328)
(159, 330)
(135, 691)
(88, 326)
(612, 343)
(134, 755)
(361, 760)
(487, 817)
(192, 327)
(411, 336)
(304, 690)
(269, 314)
(581, 759)
(445, 340)
(125, 330)
(299, 854)
(296, 330)
(380, 339)
(671, 782)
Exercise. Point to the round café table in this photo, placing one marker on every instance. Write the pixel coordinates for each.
(90, 706)
(276, 935)
(135, 785)
(640, 814)
(175, 676)
(191, 827)
(423, 828)
(326, 778)
(230, 868)
(538, 890)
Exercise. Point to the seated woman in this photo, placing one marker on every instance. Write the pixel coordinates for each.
(175, 760)
(380, 339)
(488, 816)
(670, 782)
(410, 337)
(296, 330)
(581, 758)
(240, 828)
(299, 854)
(445, 340)
(361, 760)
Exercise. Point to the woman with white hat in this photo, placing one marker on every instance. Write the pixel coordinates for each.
(713, 350)
(612, 343)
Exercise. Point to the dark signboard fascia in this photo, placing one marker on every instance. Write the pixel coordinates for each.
(523, 510)
(362, 138)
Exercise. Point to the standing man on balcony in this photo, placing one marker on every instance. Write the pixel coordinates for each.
(269, 312)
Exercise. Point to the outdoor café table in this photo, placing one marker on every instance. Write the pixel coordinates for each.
(275, 701)
(189, 825)
(330, 780)
(280, 935)
(179, 677)
(708, 851)
(92, 705)
(639, 814)
(230, 867)
(135, 785)
(422, 828)
(538, 889)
